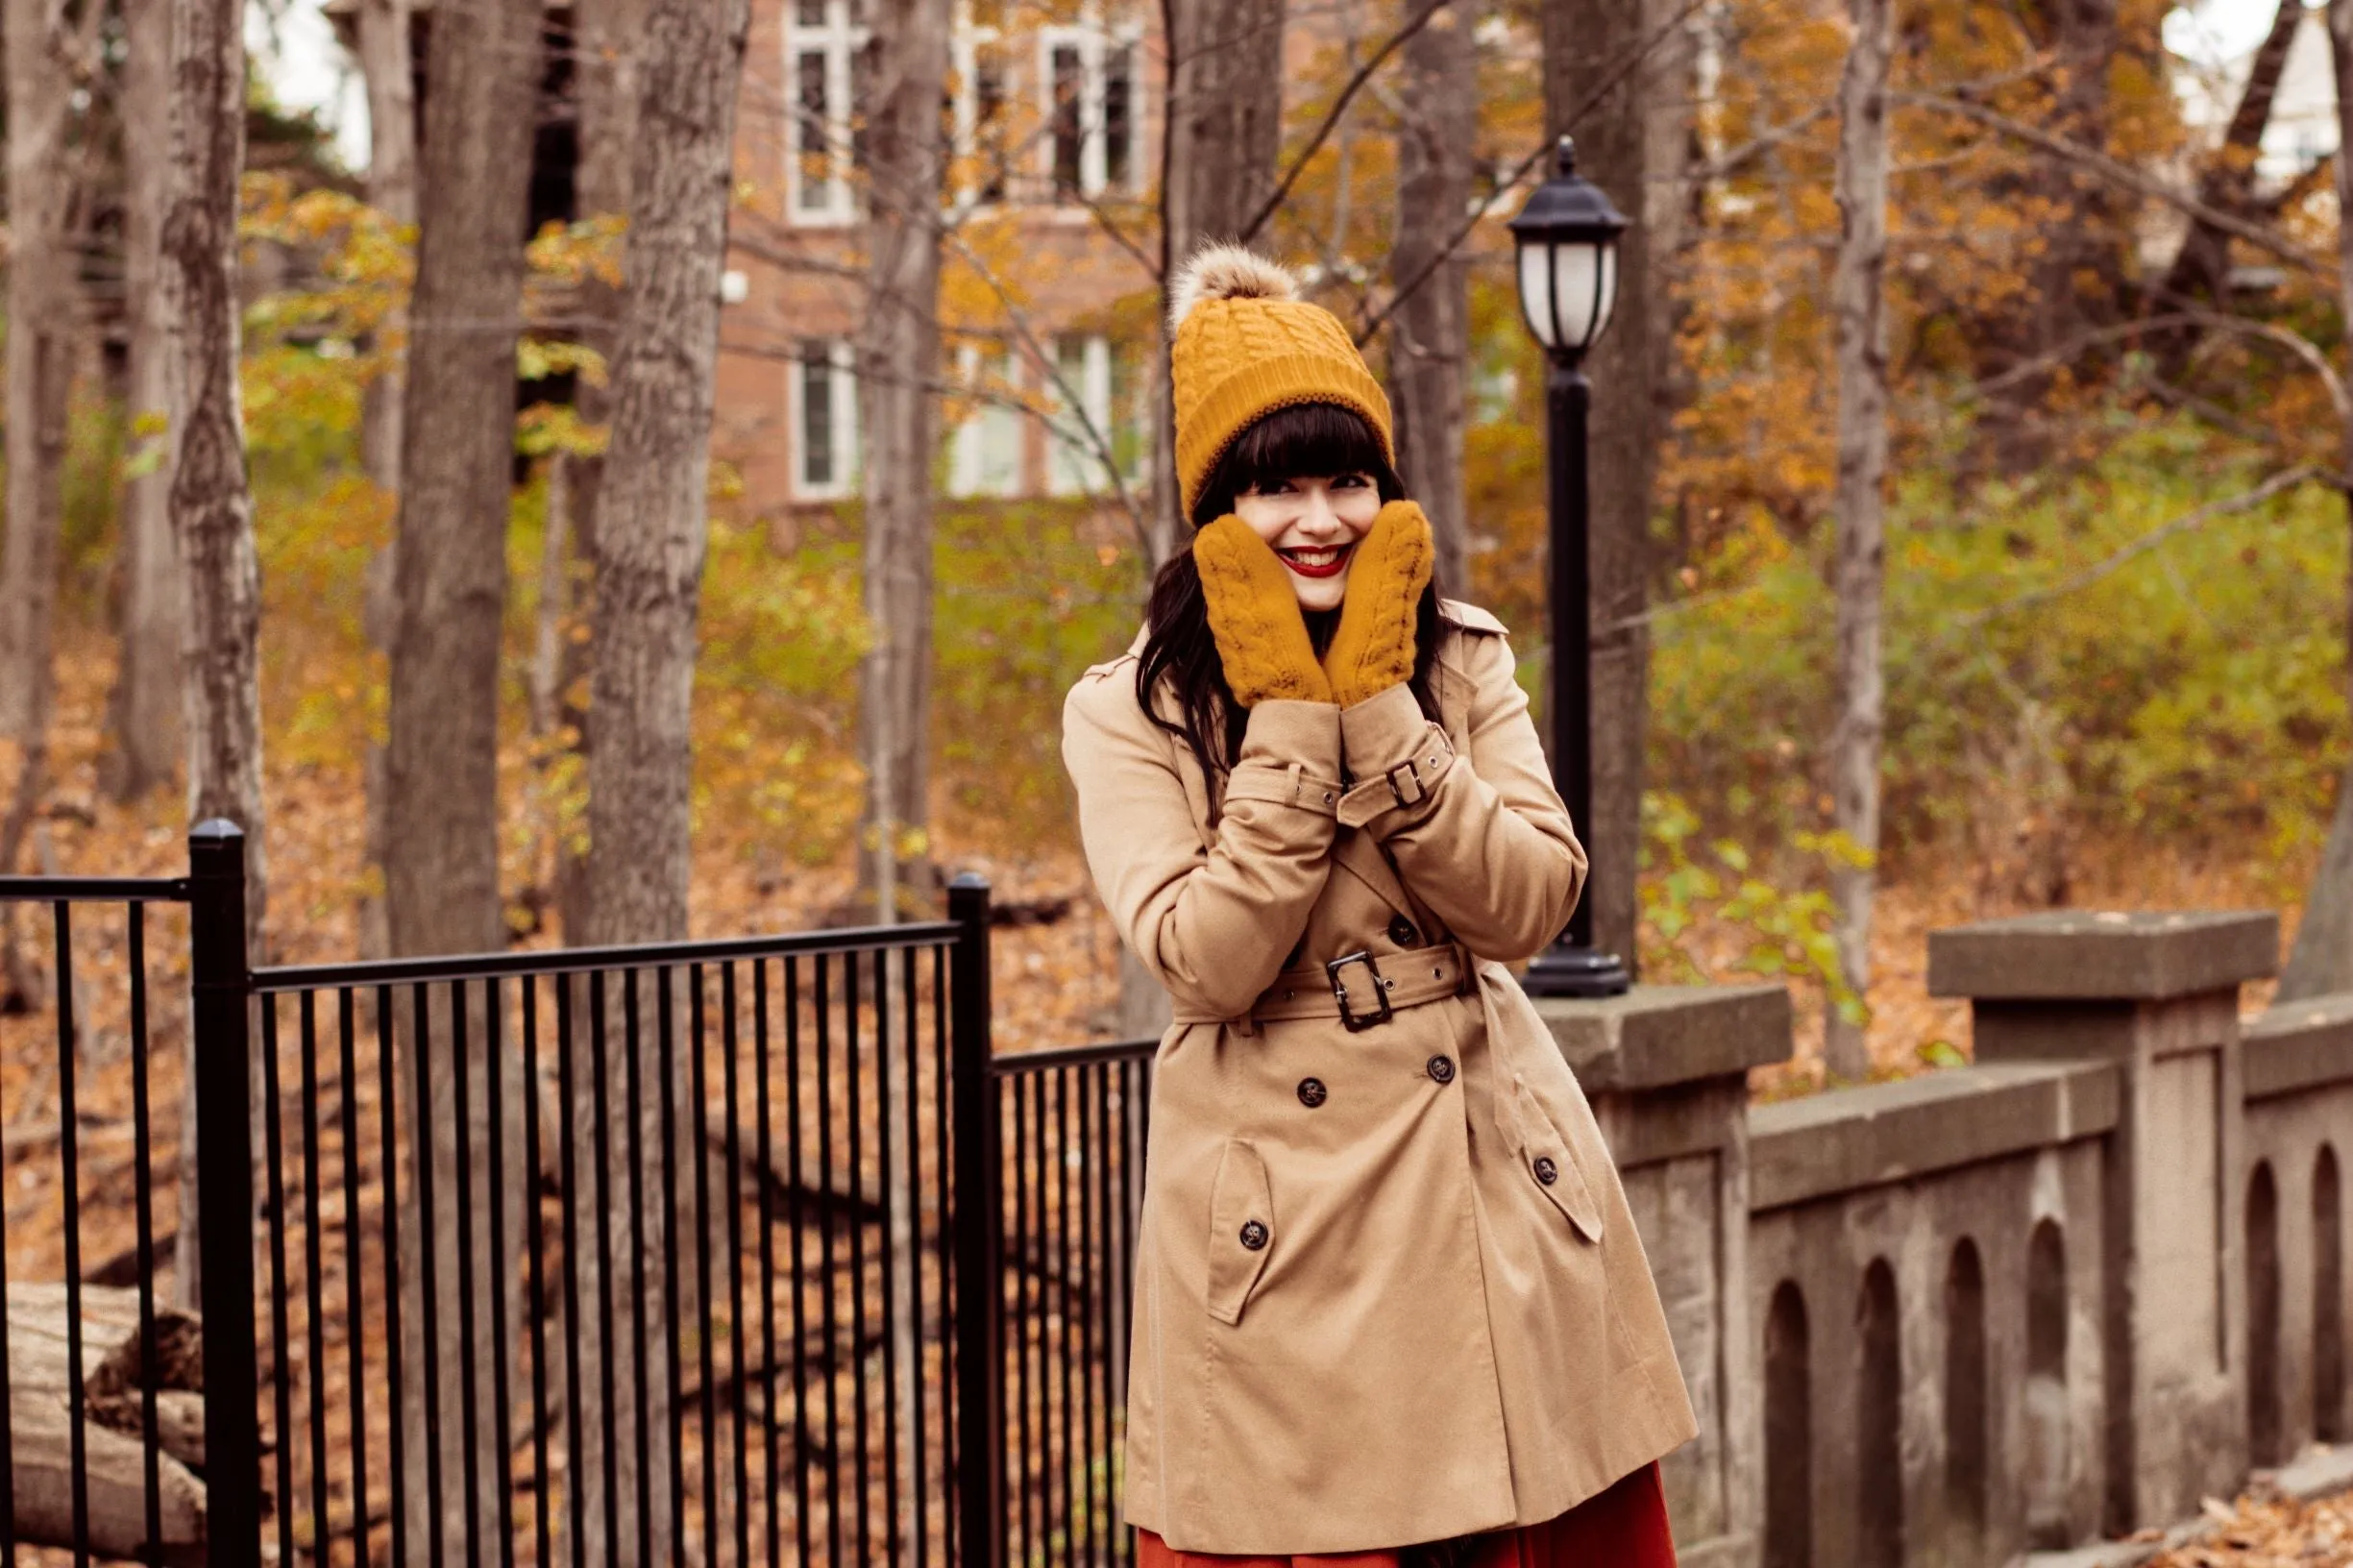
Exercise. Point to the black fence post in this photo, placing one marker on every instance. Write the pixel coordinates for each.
(980, 1216)
(222, 982)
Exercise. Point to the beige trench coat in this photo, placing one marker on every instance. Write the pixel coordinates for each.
(1387, 1289)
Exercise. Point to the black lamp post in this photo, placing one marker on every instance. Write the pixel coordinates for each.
(1567, 236)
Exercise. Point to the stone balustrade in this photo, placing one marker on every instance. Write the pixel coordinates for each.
(2058, 1295)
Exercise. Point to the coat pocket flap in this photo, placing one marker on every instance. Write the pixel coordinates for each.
(1241, 1230)
(1545, 1154)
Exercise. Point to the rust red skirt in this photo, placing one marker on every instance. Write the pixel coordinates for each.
(1625, 1527)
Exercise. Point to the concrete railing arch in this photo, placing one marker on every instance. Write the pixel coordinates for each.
(1879, 1452)
(2328, 1294)
(1789, 1432)
(2265, 1425)
(1968, 1432)
(2048, 1473)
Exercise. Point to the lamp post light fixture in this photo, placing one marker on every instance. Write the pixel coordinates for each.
(1567, 237)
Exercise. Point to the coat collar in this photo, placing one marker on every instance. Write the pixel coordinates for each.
(1354, 852)
(1469, 617)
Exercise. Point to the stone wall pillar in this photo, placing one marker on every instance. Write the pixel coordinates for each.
(2157, 996)
(1667, 1070)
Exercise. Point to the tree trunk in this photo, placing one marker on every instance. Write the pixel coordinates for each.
(651, 512)
(1222, 134)
(450, 562)
(388, 62)
(2321, 961)
(609, 42)
(1633, 142)
(900, 420)
(1856, 301)
(211, 507)
(143, 716)
(39, 361)
(441, 772)
(1225, 119)
(650, 534)
(1430, 335)
(899, 357)
(613, 44)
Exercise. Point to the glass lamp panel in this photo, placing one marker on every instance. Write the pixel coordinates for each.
(1537, 291)
(1609, 293)
(1576, 292)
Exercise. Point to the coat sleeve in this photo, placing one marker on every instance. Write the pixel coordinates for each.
(1480, 837)
(1214, 924)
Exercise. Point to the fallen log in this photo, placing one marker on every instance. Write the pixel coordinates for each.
(115, 1466)
(115, 1374)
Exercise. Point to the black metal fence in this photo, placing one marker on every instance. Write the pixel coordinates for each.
(656, 1253)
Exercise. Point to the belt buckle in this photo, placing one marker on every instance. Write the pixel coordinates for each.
(1339, 991)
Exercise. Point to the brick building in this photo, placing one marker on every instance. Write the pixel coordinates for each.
(1055, 124)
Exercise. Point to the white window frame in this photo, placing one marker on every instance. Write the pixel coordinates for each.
(1094, 42)
(964, 48)
(1074, 467)
(969, 458)
(840, 40)
(843, 387)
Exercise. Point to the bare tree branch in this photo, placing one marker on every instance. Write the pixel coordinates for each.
(1618, 72)
(2315, 177)
(1096, 440)
(1332, 117)
(1727, 164)
(2295, 344)
(2229, 506)
(1120, 237)
(2122, 174)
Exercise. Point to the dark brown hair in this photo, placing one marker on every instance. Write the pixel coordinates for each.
(1310, 439)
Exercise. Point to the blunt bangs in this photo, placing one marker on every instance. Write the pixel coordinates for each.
(1309, 438)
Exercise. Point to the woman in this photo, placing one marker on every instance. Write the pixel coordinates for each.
(1389, 1302)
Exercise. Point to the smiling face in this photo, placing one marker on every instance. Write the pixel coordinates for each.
(1313, 523)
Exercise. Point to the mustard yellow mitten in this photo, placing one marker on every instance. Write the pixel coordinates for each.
(1253, 615)
(1372, 648)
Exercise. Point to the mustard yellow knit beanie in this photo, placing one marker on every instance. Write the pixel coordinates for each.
(1246, 346)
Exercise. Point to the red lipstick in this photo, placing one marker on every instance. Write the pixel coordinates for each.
(1332, 568)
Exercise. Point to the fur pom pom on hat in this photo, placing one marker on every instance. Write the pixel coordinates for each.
(1227, 271)
(1245, 345)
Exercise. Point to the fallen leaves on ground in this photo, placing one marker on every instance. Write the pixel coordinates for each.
(2266, 1531)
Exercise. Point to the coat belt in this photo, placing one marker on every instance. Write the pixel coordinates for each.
(1362, 989)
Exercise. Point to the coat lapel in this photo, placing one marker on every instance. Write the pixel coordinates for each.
(1356, 853)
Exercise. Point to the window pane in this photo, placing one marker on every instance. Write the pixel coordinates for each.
(816, 167)
(809, 12)
(1066, 129)
(861, 90)
(817, 454)
(1118, 114)
(1000, 445)
(1073, 452)
(1127, 406)
(991, 132)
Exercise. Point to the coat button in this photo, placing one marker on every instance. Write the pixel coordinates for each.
(1254, 1234)
(1546, 1171)
(1401, 932)
(1311, 1092)
(1441, 1068)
